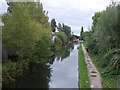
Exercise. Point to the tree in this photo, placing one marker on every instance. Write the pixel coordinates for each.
(22, 36)
(58, 41)
(26, 31)
(81, 33)
(67, 30)
(53, 25)
(104, 39)
(63, 37)
(17, 36)
(59, 27)
(95, 18)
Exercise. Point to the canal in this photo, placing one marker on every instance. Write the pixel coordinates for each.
(65, 72)
(60, 72)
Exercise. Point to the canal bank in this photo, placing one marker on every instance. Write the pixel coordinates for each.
(93, 73)
(61, 71)
(83, 72)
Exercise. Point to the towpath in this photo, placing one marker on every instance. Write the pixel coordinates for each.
(94, 75)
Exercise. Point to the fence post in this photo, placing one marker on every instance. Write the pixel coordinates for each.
(118, 81)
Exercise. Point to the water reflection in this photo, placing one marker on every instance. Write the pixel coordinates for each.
(40, 75)
(62, 53)
(65, 69)
(37, 76)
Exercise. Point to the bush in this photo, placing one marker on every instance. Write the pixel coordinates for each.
(11, 71)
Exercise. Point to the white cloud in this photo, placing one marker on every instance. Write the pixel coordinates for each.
(75, 13)
(3, 6)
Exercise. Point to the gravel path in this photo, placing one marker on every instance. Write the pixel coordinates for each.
(94, 75)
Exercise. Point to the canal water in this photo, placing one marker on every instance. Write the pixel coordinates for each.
(65, 72)
(60, 72)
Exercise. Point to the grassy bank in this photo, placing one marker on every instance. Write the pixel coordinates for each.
(83, 73)
(108, 82)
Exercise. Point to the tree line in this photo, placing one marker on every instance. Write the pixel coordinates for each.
(103, 39)
(62, 33)
(27, 37)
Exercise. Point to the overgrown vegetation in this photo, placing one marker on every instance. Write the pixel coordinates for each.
(104, 40)
(27, 38)
(83, 72)
(62, 34)
(25, 34)
(11, 71)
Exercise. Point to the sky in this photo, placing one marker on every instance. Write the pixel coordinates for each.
(74, 13)
(3, 6)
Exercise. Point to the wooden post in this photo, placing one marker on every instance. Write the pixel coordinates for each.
(118, 81)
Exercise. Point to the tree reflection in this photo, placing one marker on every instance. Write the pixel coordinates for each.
(37, 76)
(62, 53)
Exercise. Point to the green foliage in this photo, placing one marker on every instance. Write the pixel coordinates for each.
(18, 35)
(12, 70)
(90, 42)
(59, 27)
(62, 52)
(39, 72)
(112, 67)
(65, 28)
(104, 40)
(26, 33)
(75, 36)
(63, 37)
(53, 25)
(43, 50)
(107, 81)
(95, 18)
(58, 41)
(23, 30)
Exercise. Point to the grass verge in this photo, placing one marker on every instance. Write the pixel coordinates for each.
(83, 72)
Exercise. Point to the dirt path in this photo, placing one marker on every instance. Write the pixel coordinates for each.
(94, 76)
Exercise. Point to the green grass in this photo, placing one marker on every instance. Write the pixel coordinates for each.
(83, 72)
(107, 81)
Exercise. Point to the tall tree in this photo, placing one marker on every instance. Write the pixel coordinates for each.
(81, 33)
(23, 30)
(67, 30)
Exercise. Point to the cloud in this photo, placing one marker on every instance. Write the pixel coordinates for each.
(75, 13)
(3, 6)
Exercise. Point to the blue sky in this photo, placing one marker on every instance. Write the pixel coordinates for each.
(75, 13)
